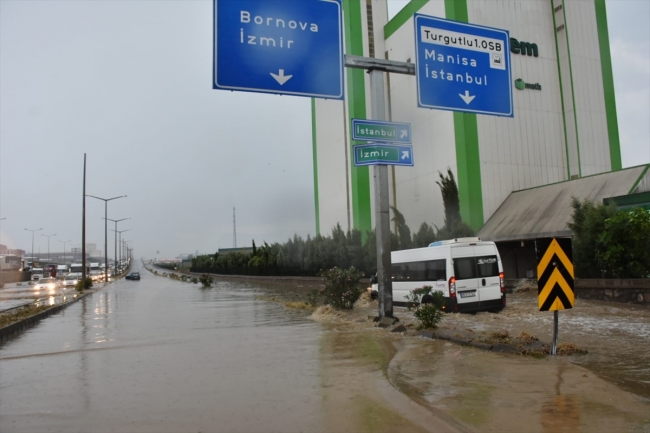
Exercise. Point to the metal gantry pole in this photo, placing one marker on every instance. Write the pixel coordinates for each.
(376, 68)
(555, 330)
(382, 216)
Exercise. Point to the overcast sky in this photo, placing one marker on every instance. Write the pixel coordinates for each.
(129, 84)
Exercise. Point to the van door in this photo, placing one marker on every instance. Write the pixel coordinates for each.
(487, 273)
(465, 273)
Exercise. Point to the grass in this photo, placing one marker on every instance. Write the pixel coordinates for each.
(21, 313)
(570, 349)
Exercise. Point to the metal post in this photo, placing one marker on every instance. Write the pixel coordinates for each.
(33, 230)
(106, 200)
(382, 216)
(48, 246)
(83, 231)
(555, 326)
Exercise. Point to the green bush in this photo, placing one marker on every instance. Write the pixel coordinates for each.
(195, 280)
(81, 286)
(206, 280)
(625, 244)
(341, 289)
(428, 306)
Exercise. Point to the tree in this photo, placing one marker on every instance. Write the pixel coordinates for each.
(424, 236)
(588, 222)
(454, 226)
(624, 244)
(403, 231)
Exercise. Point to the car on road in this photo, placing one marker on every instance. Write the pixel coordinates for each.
(47, 284)
(70, 280)
(132, 276)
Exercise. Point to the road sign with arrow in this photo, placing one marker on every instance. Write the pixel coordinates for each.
(554, 274)
(375, 130)
(279, 46)
(383, 154)
(462, 67)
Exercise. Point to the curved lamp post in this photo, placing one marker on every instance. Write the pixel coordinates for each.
(106, 200)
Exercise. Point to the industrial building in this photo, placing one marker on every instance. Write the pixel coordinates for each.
(564, 132)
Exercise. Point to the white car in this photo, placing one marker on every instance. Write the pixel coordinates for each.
(70, 280)
(46, 284)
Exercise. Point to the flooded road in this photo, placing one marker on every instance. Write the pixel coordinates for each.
(158, 355)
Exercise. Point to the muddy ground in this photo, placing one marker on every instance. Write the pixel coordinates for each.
(432, 385)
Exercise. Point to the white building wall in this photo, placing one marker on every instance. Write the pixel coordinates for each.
(588, 89)
(332, 159)
(527, 150)
(434, 145)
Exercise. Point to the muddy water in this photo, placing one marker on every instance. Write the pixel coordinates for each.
(617, 336)
(163, 356)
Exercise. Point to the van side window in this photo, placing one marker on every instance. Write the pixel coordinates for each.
(487, 266)
(465, 268)
(436, 270)
(430, 270)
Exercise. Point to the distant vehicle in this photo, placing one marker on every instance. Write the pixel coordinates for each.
(95, 272)
(76, 269)
(37, 274)
(46, 284)
(70, 280)
(132, 276)
(61, 271)
(9, 262)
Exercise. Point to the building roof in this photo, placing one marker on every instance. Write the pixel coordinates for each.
(546, 211)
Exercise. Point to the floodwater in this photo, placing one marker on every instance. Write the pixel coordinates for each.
(14, 295)
(159, 355)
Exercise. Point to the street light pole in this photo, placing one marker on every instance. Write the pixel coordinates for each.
(1, 229)
(115, 259)
(120, 242)
(64, 242)
(48, 246)
(106, 200)
(33, 230)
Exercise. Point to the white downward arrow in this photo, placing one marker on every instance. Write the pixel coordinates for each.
(280, 77)
(405, 154)
(466, 97)
(404, 133)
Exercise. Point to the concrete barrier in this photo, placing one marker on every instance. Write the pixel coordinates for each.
(7, 277)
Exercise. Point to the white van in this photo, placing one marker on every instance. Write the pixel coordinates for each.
(467, 271)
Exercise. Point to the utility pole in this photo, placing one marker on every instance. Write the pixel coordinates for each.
(234, 229)
(83, 231)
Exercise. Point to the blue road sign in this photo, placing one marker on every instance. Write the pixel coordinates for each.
(377, 130)
(279, 46)
(462, 67)
(383, 154)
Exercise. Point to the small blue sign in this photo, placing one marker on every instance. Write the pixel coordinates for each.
(279, 46)
(378, 130)
(462, 67)
(383, 154)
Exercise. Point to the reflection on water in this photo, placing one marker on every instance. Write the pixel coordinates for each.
(160, 355)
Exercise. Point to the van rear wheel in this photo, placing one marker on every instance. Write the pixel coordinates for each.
(426, 299)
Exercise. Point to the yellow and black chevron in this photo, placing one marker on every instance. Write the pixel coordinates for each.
(554, 274)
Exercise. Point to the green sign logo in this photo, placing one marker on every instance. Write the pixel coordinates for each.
(521, 85)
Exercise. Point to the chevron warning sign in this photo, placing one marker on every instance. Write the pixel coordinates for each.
(554, 274)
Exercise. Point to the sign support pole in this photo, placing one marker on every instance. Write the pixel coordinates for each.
(376, 68)
(382, 216)
(555, 328)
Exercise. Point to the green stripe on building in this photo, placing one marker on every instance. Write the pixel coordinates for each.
(608, 85)
(403, 16)
(314, 148)
(356, 100)
(470, 190)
